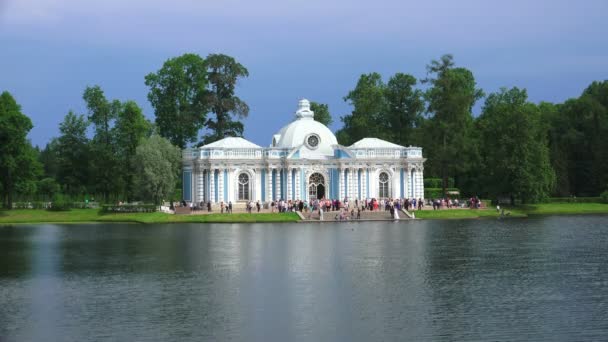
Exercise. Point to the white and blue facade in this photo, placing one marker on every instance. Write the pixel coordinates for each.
(304, 161)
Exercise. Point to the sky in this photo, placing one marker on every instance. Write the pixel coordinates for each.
(50, 50)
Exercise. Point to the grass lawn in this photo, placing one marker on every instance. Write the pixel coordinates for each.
(565, 208)
(519, 211)
(93, 215)
(463, 213)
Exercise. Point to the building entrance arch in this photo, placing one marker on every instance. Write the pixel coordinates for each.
(316, 186)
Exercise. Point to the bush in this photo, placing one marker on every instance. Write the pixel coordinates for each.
(59, 203)
(575, 199)
(437, 192)
(128, 208)
(604, 197)
(437, 182)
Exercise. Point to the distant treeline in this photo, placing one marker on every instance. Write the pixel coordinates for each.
(514, 148)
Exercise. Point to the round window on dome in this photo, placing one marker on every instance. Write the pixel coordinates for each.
(312, 141)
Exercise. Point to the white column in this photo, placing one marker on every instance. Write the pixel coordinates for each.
(269, 185)
(352, 173)
(277, 184)
(220, 185)
(257, 189)
(372, 183)
(363, 183)
(200, 186)
(419, 184)
(298, 184)
(212, 185)
(395, 182)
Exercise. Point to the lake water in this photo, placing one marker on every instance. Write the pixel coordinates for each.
(538, 279)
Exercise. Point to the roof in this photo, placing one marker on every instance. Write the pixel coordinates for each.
(374, 143)
(231, 142)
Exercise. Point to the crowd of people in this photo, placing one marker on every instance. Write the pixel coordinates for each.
(345, 209)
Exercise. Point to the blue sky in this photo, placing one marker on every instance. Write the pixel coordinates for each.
(51, 50)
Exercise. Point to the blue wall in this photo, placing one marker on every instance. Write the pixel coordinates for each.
(273, 193)
(215, 177)
(225, 185)
(402, 184)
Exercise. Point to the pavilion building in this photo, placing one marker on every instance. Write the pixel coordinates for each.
(303, 162)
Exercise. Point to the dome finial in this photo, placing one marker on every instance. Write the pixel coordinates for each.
(304, 110)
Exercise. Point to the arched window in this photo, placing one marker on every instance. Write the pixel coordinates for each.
(244, 192)
(383, 185)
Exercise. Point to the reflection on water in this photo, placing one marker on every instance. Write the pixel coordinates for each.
(530, 279)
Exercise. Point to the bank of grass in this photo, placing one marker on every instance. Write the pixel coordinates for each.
(93, 215)
(518, 211)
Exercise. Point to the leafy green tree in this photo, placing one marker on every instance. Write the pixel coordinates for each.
(73, 154)
(158, 163)
(19, 166)
(578, 143)
(104, 161)
(405, 106)
(223, 72)
(514, 149)
(450, 99)
(47, 187)
(177, 94)
(369, 106)
(131, 127)
(49, 159)
(322, 114)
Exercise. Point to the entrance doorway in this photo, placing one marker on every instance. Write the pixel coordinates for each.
(316, 186)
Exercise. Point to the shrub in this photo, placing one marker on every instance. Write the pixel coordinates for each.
(437, 192)
(604, 196)
(437, 182)
(59, 203)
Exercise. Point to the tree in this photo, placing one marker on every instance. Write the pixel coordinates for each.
(578, 145)
(19, 166)
(104, 161)
(369, 106)
(514, 151)
(177, 94)
(73, 154)
(49, 159)
(131, 127)
(223, 72)
(47, 187)
(450, 101)
(404, 108)
(322, 114)
(158, 163)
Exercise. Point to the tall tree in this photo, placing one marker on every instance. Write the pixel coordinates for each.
(73, 154)
(104, 163)
(514, 151)
(49, 158)
(369, 107)
(450, 99)
(405, 106)
(322, 114)
(18, 161)
(177, 93)
(158, 163)
(223, 72)
(131, 127)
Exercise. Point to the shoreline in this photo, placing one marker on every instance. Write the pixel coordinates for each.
(91, 216)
